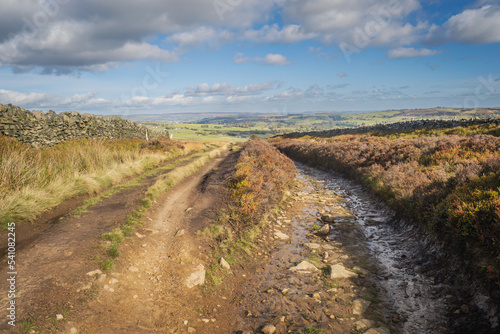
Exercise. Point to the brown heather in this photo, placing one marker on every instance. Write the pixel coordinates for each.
(450, 183)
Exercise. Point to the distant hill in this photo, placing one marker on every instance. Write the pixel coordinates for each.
(320, 120)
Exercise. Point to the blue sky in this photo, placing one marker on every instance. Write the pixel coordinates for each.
(157, 56)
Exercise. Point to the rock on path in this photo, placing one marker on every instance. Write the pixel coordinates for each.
(304, 268)
(339, 271)
(197, 277)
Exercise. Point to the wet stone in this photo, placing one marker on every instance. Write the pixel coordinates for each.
(304, 268)
(328, 218)
(339, 271)
(362, 271)
(359, 306)
(312, 245)
(363, 324)
(281, 235)
(324, 230)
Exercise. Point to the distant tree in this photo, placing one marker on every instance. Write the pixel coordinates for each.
(254, 137)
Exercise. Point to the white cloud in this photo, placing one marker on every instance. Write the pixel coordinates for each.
(61, 37)
(205, 89)
(22, 99)
(68, 46)
(349, 20)
(342, 74)
(411, 53)
(269, 59)
(273, 34)
(481, 25)
(275, 59)
(397, 33)
(201, 36)
(42, 100)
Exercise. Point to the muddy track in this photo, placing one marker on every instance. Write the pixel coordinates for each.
(52, 260)
(342, 290)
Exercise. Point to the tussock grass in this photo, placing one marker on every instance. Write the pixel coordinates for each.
(35, 180)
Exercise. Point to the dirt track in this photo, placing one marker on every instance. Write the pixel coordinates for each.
(52, 265)
(146, 292)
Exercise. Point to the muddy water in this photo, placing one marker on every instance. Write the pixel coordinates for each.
(410, 287)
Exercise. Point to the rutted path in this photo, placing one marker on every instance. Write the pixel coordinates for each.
(331, 261)
(368, 273)
(425, 291)
(319, 276)
(57, 271)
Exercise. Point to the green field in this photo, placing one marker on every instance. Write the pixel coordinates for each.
(239, 127)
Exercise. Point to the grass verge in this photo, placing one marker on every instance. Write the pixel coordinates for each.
(33, 181)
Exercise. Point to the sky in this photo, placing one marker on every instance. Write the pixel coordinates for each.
(122, 57)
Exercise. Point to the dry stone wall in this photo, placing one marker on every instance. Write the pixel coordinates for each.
(47, 129)
(399, 126)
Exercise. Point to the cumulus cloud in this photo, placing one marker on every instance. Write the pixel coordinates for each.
(411, 53)
(62, 36)
(481, 25)
(43, 100)
(269, 59)
(201, 36)
(205, 94)
(275, 59)
(350, 20)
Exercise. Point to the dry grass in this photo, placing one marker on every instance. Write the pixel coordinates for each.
(35, 180)
(171, 179)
